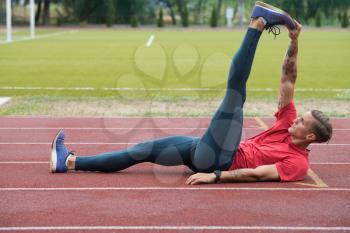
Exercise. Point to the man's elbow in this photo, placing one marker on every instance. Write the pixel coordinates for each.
(266, 176)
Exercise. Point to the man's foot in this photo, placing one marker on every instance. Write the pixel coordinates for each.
(272, 15)
(59, 154)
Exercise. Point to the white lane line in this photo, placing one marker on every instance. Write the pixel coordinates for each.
(4, 100)
(43, 162)
(72, 143)
(164, 89)
(116, 143)
(121, 128)
(207, 118)
(167, 228)
(331, 163)
(126, 128)
(171, 189)
(24, 162)
(40, 37)
(150, 40)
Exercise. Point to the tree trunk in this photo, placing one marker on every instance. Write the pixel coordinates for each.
(198, 12)
(180, 7)
(172, 13)
(218, 10)
(241, 12)
(38, 12)
(46, 12)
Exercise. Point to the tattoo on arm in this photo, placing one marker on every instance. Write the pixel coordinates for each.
(290, 63)
(291, 50)
(289, 74)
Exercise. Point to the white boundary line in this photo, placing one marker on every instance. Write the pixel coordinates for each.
(117, 128)
(165, 89)
(126, 128)
(24, 162)
(4, 100)
(117, 143)
(44, 162)
(329, 163)
(171, 189)
(165, 228)
(39, 37)
(134, 117)
(150, 40)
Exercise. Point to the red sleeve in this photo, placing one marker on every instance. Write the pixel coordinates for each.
(292, 169)
(286, 115)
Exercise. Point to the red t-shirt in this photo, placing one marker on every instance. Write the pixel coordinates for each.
(275, 146)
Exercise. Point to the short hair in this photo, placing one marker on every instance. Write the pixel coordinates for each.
(321, 126)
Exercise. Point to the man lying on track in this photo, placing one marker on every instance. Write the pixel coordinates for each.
(278, 154)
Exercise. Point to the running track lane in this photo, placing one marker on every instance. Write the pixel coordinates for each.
(320, 207)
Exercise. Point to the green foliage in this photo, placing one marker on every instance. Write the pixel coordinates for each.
(293, 11)
(318, 19)
(184, 17)
(92, 11)
(345, 20)
(134, 22)
(160, 22)
(110, 13)
(214, 18)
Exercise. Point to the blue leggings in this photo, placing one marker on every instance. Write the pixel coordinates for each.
(213, 151)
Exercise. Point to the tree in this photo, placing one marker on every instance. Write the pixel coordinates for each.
(110, 13)
(184, 16)
(345, 20)
(46, 12)
(183, 11)
(214, 18)
(197, 14)
(134, 21)
(318, 19)
(218, 10)
(160, 22)
(38, 11)
(170, 4)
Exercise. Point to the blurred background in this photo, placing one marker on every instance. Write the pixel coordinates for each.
(165, 13)
(162, 57)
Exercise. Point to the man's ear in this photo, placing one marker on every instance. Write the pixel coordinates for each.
(311, 137)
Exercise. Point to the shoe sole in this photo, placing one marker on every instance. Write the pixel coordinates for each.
(272, 8)
(53, 161)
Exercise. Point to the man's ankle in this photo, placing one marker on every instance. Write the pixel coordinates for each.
(258, 23)
(71, 162)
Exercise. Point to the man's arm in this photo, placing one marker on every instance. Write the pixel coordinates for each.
(261, 173)
(289, 69)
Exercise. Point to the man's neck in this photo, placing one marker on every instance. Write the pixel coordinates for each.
(303, 144)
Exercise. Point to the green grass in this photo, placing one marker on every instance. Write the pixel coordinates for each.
(177, 59)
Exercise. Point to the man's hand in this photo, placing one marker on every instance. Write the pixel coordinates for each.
(201, 178)
(294, 34)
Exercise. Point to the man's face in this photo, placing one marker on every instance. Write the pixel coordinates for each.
(301, 128)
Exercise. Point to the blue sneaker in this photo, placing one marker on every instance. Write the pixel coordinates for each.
(272, 15)
(59, 154)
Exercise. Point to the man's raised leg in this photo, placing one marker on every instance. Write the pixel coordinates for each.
(217, 146)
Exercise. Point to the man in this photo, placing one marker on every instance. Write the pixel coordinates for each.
(278, 154)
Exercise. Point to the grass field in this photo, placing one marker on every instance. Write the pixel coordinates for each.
(178, 63)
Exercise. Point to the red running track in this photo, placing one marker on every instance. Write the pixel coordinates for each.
(151, 198)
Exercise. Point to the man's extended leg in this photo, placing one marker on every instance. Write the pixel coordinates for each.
(168, 151)
(217, 146)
